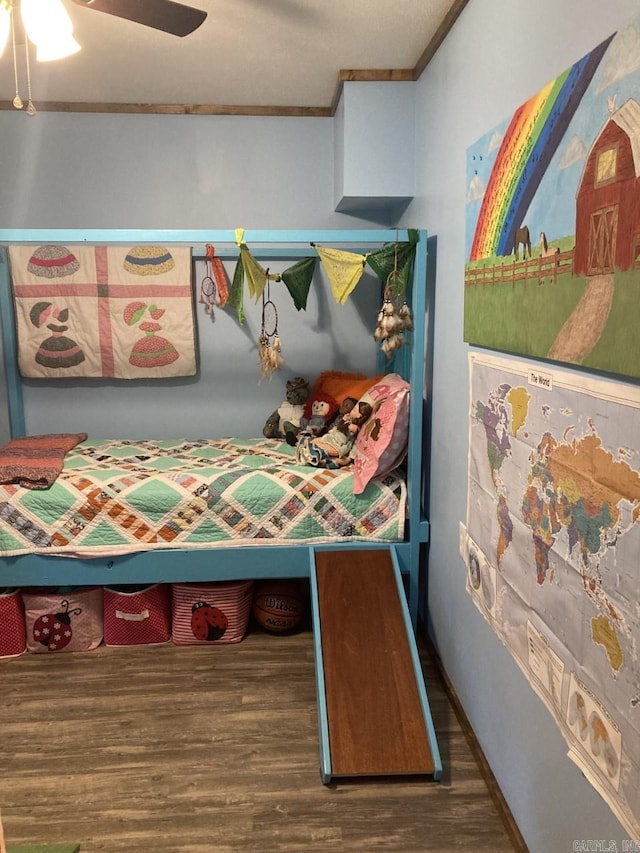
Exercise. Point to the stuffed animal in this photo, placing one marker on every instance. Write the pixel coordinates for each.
(319, 411)
(291, 410)
(333, 449)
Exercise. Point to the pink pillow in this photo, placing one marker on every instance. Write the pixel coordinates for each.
(382, 442)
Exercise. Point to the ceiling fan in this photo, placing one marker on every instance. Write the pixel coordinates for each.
(171, 17)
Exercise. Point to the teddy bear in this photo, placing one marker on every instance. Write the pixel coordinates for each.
(291, 410)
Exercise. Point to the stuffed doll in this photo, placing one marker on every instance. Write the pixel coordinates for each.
(291, 410)
(333, 449)
(319, 410)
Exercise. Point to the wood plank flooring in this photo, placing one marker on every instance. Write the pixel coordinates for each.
(205, 750)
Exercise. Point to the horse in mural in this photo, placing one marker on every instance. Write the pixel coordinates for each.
(546, 250)
(522, 238)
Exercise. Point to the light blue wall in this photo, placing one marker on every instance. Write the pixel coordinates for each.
(499, 53)
(227, 172)
(188, 172)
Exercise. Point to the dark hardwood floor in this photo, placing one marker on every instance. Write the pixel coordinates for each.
(208, 750)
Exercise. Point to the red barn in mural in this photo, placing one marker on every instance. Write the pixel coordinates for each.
(608, 198)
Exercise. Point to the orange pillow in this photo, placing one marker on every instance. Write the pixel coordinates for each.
(339, 384)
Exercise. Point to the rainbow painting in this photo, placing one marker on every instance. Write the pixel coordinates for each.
(527, 147)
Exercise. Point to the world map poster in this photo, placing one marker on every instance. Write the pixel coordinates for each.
(552, 551)
(552, 266)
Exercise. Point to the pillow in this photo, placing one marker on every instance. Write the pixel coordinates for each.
(381, 444)
(339, 384)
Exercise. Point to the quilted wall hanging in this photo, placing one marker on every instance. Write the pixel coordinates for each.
(114, 312)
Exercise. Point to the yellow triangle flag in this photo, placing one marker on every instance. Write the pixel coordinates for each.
(344, 270)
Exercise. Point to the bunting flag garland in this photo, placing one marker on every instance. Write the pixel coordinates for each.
(344, 270)
(298, 281)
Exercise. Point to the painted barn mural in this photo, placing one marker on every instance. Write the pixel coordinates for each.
(553, 218)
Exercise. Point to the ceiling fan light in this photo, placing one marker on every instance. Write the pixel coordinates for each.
(58, 49)
(5, 24)
(50, 28)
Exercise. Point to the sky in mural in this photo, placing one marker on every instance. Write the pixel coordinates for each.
(550, 204)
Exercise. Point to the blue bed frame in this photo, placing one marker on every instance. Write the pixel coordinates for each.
(229, 563)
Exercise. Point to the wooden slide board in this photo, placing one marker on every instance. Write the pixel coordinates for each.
(373, 710)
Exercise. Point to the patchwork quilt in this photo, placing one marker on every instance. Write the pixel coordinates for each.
(119, 312)
(120, 497)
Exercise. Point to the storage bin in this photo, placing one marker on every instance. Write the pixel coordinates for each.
(63, 619)
(13, 633)
(210, 613)
(137, 616)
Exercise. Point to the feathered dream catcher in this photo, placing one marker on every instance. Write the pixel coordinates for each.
(394, 266)
(269, 345)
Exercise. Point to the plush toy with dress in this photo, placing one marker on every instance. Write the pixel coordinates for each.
(319, 412)
(333, 448)
(290, 411)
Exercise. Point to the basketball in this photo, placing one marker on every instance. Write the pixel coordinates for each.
(278, 606)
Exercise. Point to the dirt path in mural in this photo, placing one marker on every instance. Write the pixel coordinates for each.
(582, 329)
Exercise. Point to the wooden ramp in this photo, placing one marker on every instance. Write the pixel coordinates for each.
(373, 712)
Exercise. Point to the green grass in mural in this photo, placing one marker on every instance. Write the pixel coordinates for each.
(526, 318)
(618, 350)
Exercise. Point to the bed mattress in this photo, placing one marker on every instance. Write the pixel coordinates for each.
(122, 497)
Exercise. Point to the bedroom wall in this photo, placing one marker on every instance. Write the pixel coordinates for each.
(187, 172)
(499, 53)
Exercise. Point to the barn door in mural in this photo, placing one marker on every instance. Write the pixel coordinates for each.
(602, 240)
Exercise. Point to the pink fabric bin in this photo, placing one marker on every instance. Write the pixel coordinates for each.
(137, 616)
(63, 619)
(13, 632)
(210, 614)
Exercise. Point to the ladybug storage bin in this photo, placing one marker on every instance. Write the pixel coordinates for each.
(137, 615)
(63, 619)
(210, 613)
(13, 634)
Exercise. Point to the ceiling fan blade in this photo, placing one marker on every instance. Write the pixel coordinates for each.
(165, 15)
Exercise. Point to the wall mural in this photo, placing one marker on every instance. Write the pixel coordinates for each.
(553, 218)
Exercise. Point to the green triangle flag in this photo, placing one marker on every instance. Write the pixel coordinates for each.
(298, 281)
(396, 257)
(236, 293)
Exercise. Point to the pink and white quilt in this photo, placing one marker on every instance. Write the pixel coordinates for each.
(116, 312)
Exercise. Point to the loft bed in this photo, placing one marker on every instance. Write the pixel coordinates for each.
(242, 561)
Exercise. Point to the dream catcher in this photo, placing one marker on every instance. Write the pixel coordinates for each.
(394, 318)
(214, 288)
(269, 346)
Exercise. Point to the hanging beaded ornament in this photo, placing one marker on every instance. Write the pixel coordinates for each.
(269, 345)
(393, 321)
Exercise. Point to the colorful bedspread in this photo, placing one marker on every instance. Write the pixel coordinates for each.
(120, 497)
